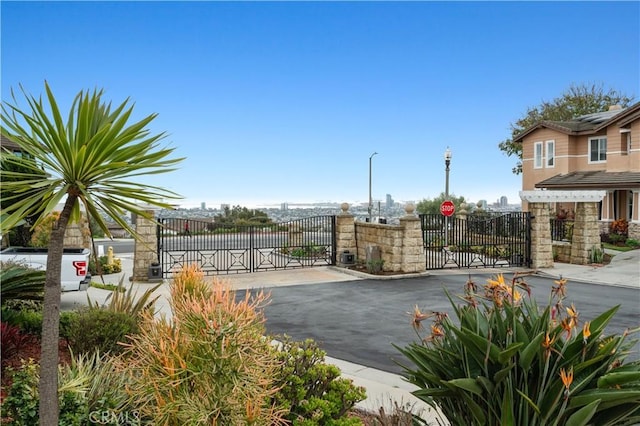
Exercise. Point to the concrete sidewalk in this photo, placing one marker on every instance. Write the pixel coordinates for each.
(383, 389)
(623, 270)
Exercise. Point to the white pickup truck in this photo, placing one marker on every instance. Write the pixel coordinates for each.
(75, 264)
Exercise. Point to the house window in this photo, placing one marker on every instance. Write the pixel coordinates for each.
(598, 149)
(551, 153)
(625, 140)
(537, 155)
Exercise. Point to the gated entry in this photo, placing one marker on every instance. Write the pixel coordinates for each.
(481, 240)
(226, 249)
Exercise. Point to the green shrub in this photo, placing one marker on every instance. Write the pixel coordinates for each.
(107, 286)
(28, 318)
(67, 319)
(632, 243)
(20, 282)
(616, 238)
(374, 266)
(21, 402)
(507, 362)
(100, 330)
(311, 391)
(20, 407)
(29, 322)
(105, 267)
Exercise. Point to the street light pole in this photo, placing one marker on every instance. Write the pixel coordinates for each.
(447, 162)
(370, 199)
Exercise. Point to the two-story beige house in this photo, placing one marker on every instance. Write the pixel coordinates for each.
(598, 151)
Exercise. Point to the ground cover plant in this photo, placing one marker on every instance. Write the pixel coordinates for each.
(504, 360)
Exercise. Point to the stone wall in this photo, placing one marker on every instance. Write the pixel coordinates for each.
(634, 230)
(401, 247)
(562, 251)
(387, 237)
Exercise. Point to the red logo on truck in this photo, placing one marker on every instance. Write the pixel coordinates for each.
(81, 267)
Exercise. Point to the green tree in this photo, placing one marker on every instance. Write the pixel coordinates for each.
(429, 206)
(577, 100)
(242, 216)
(90, 159)
(96, 231)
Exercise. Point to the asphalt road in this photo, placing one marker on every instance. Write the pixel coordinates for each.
(358, 321)
(120, 246)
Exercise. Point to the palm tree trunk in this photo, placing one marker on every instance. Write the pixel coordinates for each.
(48, 386)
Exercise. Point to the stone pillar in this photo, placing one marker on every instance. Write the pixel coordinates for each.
(586, 233)
(413, 257)
(146, 247)
(345, 233)
(634, 223)
(77, 235)
(541, 247)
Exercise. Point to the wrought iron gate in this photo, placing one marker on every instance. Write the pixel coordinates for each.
(226, 249)
(486, 240)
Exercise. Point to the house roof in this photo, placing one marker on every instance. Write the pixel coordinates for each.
(589, 123)
(598, 179)
(8, 144)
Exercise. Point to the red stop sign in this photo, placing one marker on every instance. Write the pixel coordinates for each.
(447, 208)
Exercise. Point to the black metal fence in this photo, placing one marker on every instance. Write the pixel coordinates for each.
(561, 229)
(226, 249)
(480, 240)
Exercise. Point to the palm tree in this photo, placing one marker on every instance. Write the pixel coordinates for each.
(90, 159)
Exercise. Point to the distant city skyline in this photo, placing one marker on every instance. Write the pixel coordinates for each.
(501, 201)
(272, 102)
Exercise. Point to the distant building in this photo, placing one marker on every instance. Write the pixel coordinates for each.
(389, 201)
(223, 207)
(482, 204)
(284, 207)
(203, 205)
(503, 201)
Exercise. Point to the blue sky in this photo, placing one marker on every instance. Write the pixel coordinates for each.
(276, 102)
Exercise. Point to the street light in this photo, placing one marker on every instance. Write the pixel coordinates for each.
(447, 162)
(370, 199)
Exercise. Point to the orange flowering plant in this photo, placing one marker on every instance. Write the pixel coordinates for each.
(508, 361)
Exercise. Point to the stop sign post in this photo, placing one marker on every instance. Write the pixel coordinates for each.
(447, 208)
